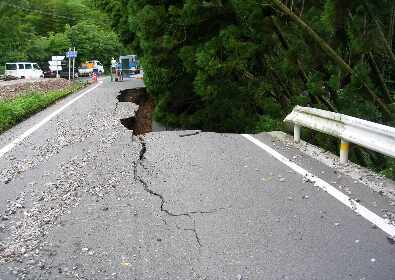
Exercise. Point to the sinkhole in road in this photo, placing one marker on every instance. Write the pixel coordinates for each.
(142, 122)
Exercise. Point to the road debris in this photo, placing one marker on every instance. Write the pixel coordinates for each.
(391, 239)
(374, 181)
(189, 134)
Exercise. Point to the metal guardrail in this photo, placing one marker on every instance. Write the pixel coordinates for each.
(376, 137)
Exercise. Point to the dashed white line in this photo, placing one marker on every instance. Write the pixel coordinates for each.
(28, 132)
(318, 182)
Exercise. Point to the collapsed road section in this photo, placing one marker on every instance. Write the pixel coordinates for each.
(141, 122)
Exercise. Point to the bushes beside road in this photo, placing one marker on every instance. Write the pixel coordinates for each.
(13, 111)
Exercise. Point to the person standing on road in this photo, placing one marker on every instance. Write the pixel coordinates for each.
(119, 72)
(113, 68)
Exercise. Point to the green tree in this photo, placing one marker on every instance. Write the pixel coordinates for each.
(93, 42)
(41, 48)
(36, 30)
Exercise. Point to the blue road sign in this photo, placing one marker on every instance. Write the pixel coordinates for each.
(71, 54)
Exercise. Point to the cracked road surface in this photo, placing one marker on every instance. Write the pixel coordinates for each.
(81, 198)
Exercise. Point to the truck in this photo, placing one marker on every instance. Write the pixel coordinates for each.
(129, 65)
(87, 68)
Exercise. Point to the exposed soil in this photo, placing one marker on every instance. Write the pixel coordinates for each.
(12, 89)
(141, 123)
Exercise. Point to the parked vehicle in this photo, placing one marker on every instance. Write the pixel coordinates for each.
(130, 64)
(50, 71)
(88, 68)
(23, 70)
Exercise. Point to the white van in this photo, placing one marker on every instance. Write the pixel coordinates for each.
(23, 70)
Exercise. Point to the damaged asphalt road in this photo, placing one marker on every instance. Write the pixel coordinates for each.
(82, 198)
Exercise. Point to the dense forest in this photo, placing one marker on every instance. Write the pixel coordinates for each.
(35, 30)
(242, 65)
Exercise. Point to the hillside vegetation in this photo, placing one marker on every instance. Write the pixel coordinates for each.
(35, 30)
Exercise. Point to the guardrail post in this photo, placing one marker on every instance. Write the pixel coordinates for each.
(296, 133)
(344, 148)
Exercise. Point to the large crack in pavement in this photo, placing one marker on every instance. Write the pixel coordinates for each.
(146, 187)
(140, 123)
(189, 214)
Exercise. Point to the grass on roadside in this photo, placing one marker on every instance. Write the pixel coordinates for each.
(13, 111)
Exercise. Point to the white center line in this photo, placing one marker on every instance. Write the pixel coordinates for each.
(28, 132)
(318, 182)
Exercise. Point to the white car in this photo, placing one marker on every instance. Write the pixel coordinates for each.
(23, 70)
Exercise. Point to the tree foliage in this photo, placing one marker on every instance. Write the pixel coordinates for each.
(35, 30)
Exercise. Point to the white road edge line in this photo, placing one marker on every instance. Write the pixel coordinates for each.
(30, 131)
(318, 182)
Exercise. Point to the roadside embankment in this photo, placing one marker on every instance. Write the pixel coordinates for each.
(19, 100)
(15, 88)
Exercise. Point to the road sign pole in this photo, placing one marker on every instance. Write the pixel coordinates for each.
(73, 65)
(69, 63)
(57, 62)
